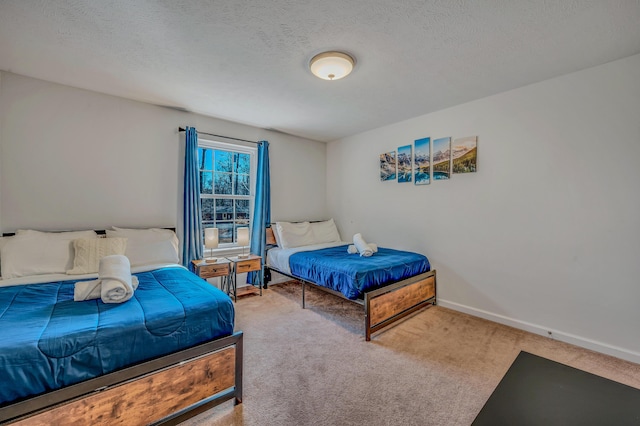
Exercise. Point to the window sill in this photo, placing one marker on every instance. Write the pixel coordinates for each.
(225, 252)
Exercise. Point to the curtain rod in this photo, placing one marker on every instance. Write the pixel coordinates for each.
(182, 129)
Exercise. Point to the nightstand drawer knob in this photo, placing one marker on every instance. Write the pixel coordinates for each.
(215, 269)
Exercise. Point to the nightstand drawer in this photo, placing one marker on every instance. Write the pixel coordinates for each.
(247, 265)
(213, 270)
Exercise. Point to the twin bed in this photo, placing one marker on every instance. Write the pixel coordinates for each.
(168, 353)
(390, 284)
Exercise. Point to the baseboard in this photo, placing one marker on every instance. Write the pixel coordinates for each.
(583, 342)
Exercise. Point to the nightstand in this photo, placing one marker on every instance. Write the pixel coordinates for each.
(253, 263)
(221, 268)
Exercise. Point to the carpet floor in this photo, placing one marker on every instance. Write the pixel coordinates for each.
(437, 367)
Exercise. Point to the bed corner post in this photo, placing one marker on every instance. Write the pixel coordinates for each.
(303, 286)
(367, 318)
(238, 368)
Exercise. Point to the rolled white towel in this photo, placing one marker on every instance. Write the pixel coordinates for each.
(115, 291)
(117, 283)
(362, 246)
(86, 290)
(353, 250)
(89, 290)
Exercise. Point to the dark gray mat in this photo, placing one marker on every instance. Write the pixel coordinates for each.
(538, 391)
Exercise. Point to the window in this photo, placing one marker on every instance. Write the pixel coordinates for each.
(227, 175)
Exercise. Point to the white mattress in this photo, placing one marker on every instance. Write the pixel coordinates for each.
(278, 258)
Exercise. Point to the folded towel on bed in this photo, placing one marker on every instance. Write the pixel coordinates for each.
(86, 290)
(364, 249)
(115, 274)
(89, 290)
(353, 250)
(115, 284)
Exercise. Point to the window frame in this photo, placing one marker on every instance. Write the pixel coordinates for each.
(253, 166)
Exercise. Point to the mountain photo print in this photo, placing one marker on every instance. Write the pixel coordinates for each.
(441, 159)
(388, 166)
(465, 154)
(422, 154)
(404, 163)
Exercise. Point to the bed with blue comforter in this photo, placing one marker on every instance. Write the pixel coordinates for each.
(48, 341)
(391, 284)
(353, 275)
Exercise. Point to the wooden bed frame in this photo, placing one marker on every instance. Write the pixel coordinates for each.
(165, 390)
(385, 305)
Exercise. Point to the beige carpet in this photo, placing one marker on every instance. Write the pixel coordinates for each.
(438, 367)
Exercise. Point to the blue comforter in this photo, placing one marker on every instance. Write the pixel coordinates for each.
(48, 341)
(352, 275)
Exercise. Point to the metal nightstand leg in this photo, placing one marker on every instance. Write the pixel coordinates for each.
(224, 284)
(234, 283)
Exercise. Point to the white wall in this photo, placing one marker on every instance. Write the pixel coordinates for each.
(1, 134)
(546, 235)
(76, 159)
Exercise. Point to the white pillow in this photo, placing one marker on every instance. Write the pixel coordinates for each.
(35, 253)
(148, 246)
(294, 234)
(325, 232)
(89, 252)
(3, 241)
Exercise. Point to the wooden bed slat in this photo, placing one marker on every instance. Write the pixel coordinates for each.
(393, 303)
(147, 399)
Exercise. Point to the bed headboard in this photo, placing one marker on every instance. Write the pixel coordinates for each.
(271, 239)
(101, 232)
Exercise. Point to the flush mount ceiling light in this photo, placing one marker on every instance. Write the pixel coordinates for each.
(331, 65)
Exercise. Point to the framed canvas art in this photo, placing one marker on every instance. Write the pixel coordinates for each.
(421, 161)
(441, 159)
(404, 163)
(388, 166)
(465, 154)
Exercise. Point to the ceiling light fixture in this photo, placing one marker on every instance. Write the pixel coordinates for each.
(331, 65)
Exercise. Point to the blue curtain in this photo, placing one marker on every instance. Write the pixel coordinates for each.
(191, 215)
(261, 209)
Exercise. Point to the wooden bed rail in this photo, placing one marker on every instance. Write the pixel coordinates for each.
(166, 390)
(393, 302)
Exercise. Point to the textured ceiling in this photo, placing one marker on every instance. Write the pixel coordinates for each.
(247, 60)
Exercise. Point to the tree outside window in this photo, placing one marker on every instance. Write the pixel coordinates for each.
(225, 190)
